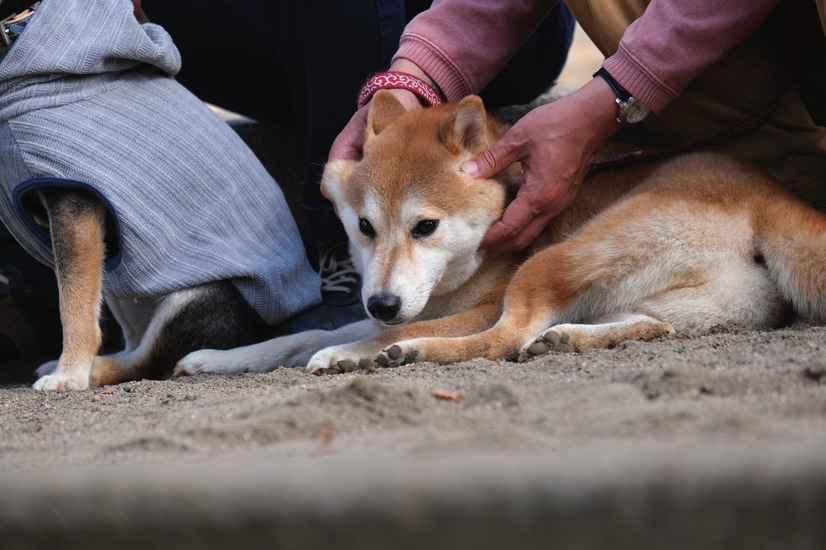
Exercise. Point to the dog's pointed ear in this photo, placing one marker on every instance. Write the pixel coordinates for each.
(466, 128)
(384, 109)
(335, 179)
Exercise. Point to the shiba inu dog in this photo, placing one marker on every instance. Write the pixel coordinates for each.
(645, 250)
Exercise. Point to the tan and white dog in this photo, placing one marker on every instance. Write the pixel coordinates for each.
(685, 245)
(157, 330)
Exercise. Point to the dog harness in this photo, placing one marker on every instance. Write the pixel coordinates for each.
(87, 102)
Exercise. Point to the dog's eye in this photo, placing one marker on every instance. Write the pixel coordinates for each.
(425, 228)
(366, 228)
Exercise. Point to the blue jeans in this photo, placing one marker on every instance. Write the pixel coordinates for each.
(304, 62)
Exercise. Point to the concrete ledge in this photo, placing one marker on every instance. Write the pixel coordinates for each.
(651, 495)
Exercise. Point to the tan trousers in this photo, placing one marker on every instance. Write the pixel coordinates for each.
(789, 146)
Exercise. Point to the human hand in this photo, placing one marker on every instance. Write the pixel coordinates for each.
(555, 144)
(349, 144)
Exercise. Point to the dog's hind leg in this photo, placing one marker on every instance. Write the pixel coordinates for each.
(205, 316)
(135, 363)
(132, 315)
(606, 333)
(76, 226)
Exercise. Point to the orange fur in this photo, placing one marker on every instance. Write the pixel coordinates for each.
(79, 280)
(685, 244)
(694, 242)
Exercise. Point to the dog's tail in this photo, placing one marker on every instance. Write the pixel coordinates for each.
(791, 238)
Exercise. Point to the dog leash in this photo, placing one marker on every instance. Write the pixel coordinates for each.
(746, 126)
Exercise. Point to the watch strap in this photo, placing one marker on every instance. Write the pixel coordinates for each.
(621, 92)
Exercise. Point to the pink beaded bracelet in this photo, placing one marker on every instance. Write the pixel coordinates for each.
(397, 80)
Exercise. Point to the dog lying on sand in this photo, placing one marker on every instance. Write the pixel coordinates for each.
(645, 250)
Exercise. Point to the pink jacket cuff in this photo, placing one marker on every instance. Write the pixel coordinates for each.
(436, 63)
(640, 83)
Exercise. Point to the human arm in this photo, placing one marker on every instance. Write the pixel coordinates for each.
(464, 44)
(674, 42)
(459, 45)
(659, 55)
(350, 141)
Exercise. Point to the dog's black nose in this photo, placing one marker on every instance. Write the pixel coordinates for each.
(384, 307)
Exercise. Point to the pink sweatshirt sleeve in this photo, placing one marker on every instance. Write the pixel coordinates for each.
(463, 44)
(675, 41)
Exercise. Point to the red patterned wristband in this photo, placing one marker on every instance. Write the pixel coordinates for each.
(397, 80)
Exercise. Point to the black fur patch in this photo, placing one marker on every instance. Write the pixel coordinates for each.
(214, 320)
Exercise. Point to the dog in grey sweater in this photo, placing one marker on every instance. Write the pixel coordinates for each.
(138, 194)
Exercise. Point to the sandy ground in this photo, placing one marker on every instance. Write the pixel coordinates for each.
(737, 387)
(693, 441)
(717, 441)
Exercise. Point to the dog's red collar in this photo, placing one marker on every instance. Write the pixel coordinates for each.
(397, 80)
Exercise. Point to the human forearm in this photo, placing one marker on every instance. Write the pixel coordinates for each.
(463, 44)
(674, 42)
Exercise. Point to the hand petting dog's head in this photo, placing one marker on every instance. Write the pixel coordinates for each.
(414, 218)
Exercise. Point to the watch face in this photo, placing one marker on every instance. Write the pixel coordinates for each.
(635, 111)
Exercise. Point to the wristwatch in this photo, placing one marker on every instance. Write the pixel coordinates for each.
(629, 108)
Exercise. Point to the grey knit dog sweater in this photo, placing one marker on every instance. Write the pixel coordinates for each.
(87, 101)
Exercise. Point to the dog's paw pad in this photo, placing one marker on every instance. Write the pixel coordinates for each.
(348, 365)
(332, 369)
(345, 365)
(323, 364)
(558, 340)
(553, 339)
(394, 356)
(394, 353)
(539, 347)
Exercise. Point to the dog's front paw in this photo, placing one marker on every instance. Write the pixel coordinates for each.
(400, 353)
(62, 381)
(194, 363)
(209, 361)
(336, 360)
